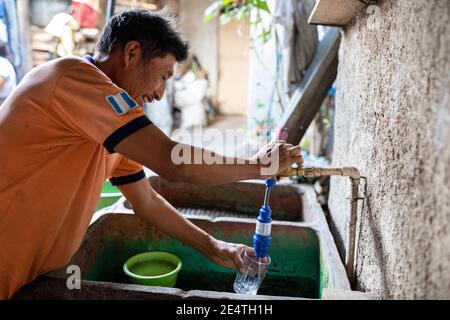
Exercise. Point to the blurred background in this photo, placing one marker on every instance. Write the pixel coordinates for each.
(247, 58)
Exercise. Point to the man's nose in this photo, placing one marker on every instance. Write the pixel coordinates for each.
(159, 94)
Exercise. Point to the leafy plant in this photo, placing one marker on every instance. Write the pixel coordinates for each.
(248, 10)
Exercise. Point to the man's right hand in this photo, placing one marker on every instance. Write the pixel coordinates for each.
(277, 157)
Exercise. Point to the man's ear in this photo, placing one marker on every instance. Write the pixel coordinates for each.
(131, 53)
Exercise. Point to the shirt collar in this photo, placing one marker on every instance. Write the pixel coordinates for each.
(89, 59)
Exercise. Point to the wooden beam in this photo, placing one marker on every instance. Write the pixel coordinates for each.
(335, 12)
(309, 95)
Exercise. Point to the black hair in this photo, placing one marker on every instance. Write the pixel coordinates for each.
(155, 31)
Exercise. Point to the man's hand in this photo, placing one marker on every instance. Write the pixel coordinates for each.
(228, 255)
(278, 156)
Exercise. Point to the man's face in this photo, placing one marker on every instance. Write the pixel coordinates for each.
(146, 81)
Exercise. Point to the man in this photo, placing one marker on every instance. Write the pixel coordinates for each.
(74, 122)
(7, 73)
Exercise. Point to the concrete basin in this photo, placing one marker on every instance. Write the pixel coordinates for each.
(304, 256)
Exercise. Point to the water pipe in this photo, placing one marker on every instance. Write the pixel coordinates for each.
(355, 176)
(262, 236)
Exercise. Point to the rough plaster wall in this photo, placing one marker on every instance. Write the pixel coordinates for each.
(393, 123)
(202, 36)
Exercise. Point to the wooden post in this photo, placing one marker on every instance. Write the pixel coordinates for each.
(311, 92)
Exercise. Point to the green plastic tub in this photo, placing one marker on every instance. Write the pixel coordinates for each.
(153, 269)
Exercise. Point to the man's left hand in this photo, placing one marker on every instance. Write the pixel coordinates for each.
(229, 255)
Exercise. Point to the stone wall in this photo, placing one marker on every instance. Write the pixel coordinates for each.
(393, 123)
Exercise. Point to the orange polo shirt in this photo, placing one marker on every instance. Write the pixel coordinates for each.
(58, 130)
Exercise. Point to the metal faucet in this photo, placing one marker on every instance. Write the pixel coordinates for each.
(355, 176)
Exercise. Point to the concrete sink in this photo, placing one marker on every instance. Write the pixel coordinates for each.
(304, 256)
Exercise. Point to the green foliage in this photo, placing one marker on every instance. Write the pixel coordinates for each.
(248, 10)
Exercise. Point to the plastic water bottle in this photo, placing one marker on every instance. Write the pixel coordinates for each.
(257, 264)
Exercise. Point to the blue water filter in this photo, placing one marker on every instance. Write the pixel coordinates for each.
(262, 236)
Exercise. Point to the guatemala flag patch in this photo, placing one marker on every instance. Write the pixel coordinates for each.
(121, 103)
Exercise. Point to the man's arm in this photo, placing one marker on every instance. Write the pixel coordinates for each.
(161, 214)
(153, 149)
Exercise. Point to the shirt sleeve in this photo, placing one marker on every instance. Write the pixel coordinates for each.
(87, 103)
(127, 171)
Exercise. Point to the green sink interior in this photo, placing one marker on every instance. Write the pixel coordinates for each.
(110, 194)
(295, 251)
